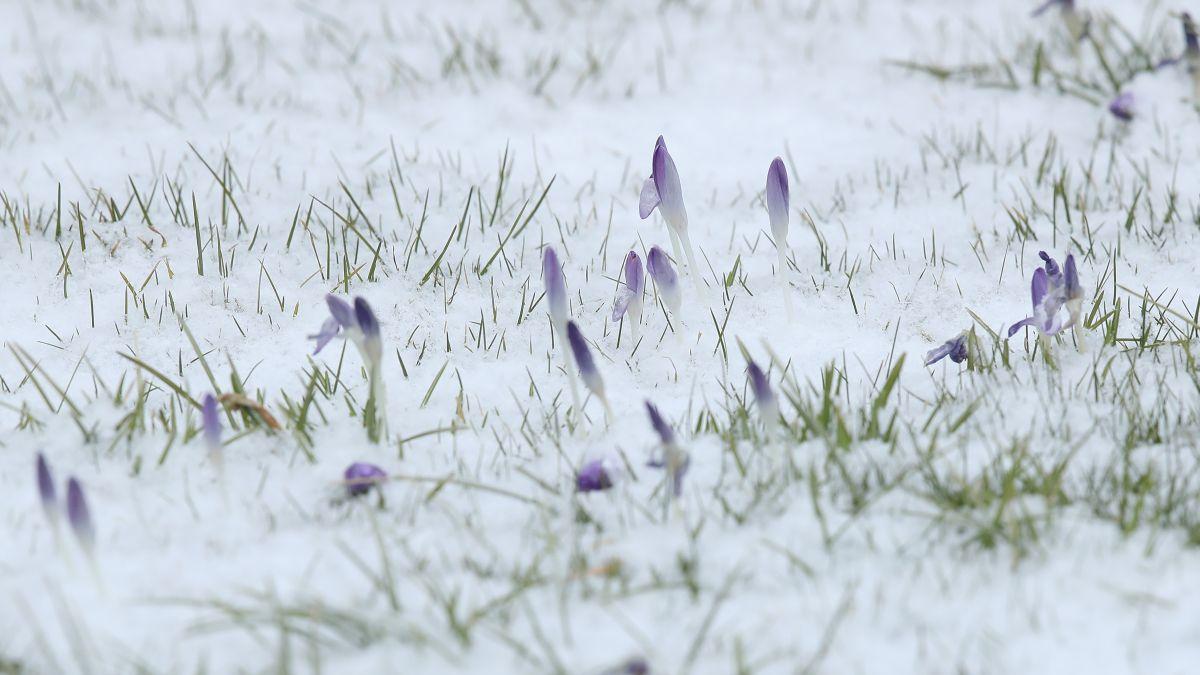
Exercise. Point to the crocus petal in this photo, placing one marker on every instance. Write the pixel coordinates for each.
(1121, 107)
(1189, 35)
(556, 287)
(666, 184)
(665, 433)
(633, 273)
(778, 198)
(368, 325)
(665, 278)
(340, 310)
(1039, 286)
(79, 516)
(593, 477)
(1012, 330)
(359, 477)
(583, 358)
(648, 200)
(622, 304)
(1050, 263)
(329, 330)
(211, 422)
(1071, 280)
(45, 486)
(767, 405)
(955, 348)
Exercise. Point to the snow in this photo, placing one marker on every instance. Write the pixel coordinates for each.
(479, 557)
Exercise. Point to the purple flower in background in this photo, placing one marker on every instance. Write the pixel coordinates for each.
(556, 287)
(955, 348)
(587, 366)
(356, 323)
(45, 486)
(673, 458)
(211, 422)
(663, 191)
(768, 406)
(341, 318)
(778, 201)
(665, 279)
(1121, 107)
(630, 298)
(594, 476)
(360, 476)
(79, 517)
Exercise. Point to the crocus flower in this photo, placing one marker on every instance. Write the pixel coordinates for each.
(778, 201)
(630, 298)
(663, 191)
(360, 476)
(1051, 290)
(768, 406)
(359, 324)
(665, 279)
(587, 366)
(79, 517)
(211, 423)
(1077, 25)
(955, 348)
(371, 336)
(673, 458)
(594, 476)
(45, 486)
(1121, 107)
(556, 288)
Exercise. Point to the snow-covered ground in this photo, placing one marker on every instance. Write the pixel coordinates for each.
(1030, 510)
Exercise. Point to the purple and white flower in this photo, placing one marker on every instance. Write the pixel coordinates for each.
(629, 299)
(79, 516)
(360, 477)
(1122, 107)
(671, 457)
(955, 348)
(665, 279)
(210, 421)
(47, 494)
(358, 324)
(764, 396)
(663, 191)
(778, 202)
(594, 476)
(1051, 290)
(556, 288)
(587, 365)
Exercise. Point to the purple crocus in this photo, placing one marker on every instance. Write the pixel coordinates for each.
(210, 419)
(45, 487)
(359, 477)
(672, 458)
(1052, 289)
(356, 323)
(1191, 49)
(629, 300)
(587, 365)
(1122, 107)
(778, 201)
(768, 405)
(663, 191)
(556, 288)
(955, 348)
(368, 325)
(79, 516)
(593, 477)
(665, 279)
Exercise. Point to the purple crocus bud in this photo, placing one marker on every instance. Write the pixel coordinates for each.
(665, 279)
(1192, 48)
(1071, 279)
(666, 434)
(768, 406)
(587, 366)
(79, 517)
(1050, 263)
(1122, 107)
(210, 419)
(1073, 292)
(359, 477)
(594, 476)
(955, 348)
(556, 287)
(662, 189)
(630, 298)
(674, 459)
(778, 201)
(368, 327)
(45, 486)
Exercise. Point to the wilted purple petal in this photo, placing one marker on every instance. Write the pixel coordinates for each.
(1012, 330)
(665, 278)
(78, 515)
(1050, 263)
(667, 187)
(556, 287)
(593, 477)
(583, 358)
(955, 348)
(45, 486)
(778, 199)
(211, 421)
(1122, 107)
(360, 476)
(665, 433)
